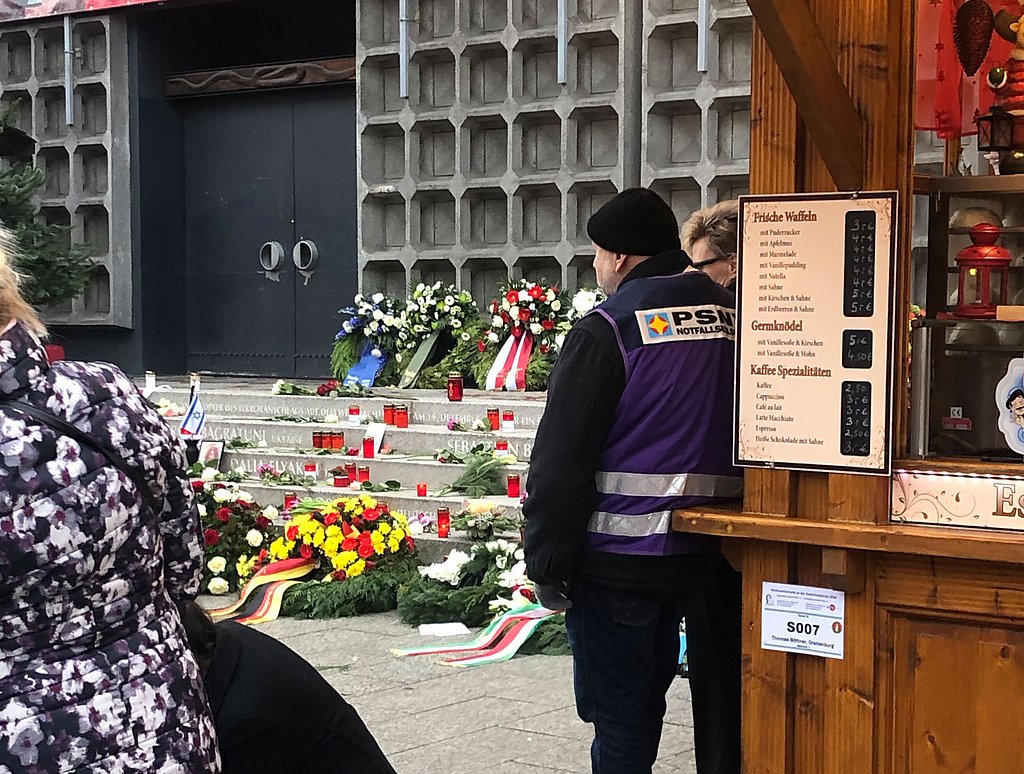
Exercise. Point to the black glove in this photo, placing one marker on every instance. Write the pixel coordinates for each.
(552, 596)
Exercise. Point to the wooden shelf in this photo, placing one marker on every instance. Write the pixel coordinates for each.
(976, 185)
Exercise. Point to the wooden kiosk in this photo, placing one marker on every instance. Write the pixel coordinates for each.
(932, 677)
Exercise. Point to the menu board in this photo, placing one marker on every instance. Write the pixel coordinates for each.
(814, 342)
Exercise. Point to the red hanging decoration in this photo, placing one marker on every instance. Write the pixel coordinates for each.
(972, 34)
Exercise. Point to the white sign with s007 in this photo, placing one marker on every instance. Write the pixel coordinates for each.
(803, 619)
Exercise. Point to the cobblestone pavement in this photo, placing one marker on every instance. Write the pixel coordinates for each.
(512, 718)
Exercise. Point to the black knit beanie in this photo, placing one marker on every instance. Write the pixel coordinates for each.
(635, 222)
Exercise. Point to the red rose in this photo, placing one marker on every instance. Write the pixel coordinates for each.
(352, 451)
(322, 390)
(292, 533)
(197, 485)
(339, 575)
(220, 486)
(481, 346)
(544, 349)
(332, 384)
(506, 318)
(262, 522)
(370, 514)
(306, 551)
(211, 537)
(512, 296)
(547, 324)
(366, 550)
(536, 292)
(330, 518)
(223, 514)
(517, 331)
(524, 315)
(349, 544)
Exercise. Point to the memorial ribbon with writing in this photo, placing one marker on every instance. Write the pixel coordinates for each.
(509, 369)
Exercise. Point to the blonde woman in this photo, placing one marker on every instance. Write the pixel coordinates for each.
(99, 538)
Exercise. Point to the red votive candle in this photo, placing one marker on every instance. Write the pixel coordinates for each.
(494, 417)
(337, 440)
(501, 445)
(444, 522)
(508, 421)
(353, 415)
(318, 440)
(310, 469)
(368, 447)
(512, 485)
(341, 481)
(455, 387)
(364, 473)
(421, 490)
(351, 471)
(401, 416)
(290, 500)
(389, 413)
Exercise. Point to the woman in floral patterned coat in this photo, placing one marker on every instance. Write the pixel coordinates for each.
(95, 673)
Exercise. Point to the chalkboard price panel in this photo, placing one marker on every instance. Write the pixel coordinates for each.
(859, 274)
(857, 347)
(855, 437)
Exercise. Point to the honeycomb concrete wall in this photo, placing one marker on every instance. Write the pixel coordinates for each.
(81, 187)
(491, 168)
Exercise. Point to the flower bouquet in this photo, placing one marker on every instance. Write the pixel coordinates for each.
(517, 349)
(433, 316)
(480, 519)
(235, 533)
(369, 337)
(582, 303)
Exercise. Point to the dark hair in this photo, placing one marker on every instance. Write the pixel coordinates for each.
(1017, 393)
(199, 630)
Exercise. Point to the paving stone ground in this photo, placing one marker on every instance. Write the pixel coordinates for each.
(512, 718)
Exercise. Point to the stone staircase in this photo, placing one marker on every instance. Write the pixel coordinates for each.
(246, 409)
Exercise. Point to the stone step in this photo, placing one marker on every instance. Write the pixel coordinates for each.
(403, 501)
(414, 440)
(425, 406)
(407, 470)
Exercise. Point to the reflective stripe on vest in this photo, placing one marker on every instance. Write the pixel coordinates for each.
(669, 485)
(624, 525)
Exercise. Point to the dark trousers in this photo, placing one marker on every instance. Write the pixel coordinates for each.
(625, 652)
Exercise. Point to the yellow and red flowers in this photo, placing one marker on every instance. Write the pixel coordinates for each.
(346, 537)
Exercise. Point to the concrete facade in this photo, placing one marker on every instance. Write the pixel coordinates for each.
(490, 168)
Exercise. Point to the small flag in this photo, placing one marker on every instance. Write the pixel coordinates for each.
(194, 422)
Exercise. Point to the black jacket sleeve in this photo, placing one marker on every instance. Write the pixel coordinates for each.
(583, 392)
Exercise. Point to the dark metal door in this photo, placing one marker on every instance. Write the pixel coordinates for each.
(325, 216)
(239, 194)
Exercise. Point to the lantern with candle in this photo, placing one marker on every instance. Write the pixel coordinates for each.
(983, 268)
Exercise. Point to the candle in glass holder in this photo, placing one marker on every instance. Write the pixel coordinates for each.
(353, 415)
(368, 447)
(508, 421)
(494, 417)
(364, 473)
(310, 469)
(341, 481)
(455, 386)
(350, 470)
(401, 416)
(444, 522)
(337, 440)
(389, 413)
(512, 485)
(421, 490)
(501, 446)
(290, 500)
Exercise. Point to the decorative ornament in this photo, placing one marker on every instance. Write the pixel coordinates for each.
(983, 274)
(972, 34)
(1009, 398)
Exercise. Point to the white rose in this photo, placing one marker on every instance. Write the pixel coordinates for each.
(378, 314)
(374, 327)
(368, 331)
(223, 496)
(218, 586)
(271, 513)
(377, 298)
(359, 298)
(389, 320)
(524, 296)
(254, 538)
(217, 565)
(505, 305)
(584, 301)
(556, 305)
(536, 329)
(550, 295)
(513, 312)
(332, 419)
(209, 474)
(497, 322)
(492, 336)
(202, 510)
(245, 496)
(413, 308)
(275, 390)
(420, 288)
(375, 352)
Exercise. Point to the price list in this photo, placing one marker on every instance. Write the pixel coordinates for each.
(814, 332)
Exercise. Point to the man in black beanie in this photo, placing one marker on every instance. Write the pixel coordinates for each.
(638, 423)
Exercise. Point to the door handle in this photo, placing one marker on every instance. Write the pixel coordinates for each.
(271, 255)
(305, 256)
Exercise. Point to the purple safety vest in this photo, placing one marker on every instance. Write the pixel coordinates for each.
(670, 444)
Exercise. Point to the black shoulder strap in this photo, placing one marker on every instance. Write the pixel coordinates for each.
(135, 475)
